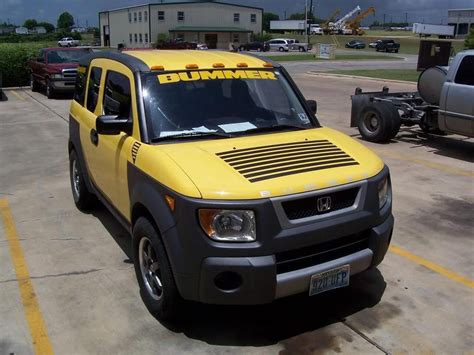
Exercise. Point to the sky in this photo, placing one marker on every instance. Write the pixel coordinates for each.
(86, 11)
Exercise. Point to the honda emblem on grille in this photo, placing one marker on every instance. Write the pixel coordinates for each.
(323, 204)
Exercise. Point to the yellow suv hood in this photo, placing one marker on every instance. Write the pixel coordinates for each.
(274, 164)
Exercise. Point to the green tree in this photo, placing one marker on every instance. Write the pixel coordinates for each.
(47, 26)
(469, 42)
(301, 16)
(30, 23)
(65, 20)
(266, 18)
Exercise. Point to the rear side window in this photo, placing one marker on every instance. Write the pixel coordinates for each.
(117, 95)
(93, 89)
(80, 91)
(465, 74)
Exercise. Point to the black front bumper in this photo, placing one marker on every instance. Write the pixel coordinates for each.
(280, 263)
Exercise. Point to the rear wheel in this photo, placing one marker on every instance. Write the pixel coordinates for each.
(379, 122)
(155, 278)
(83, 199)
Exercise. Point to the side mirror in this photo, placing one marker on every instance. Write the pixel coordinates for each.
(313, 105)
(113, 124)
(40, 59)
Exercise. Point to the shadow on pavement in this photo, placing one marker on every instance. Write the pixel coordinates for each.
(269, 324)
(456, 147)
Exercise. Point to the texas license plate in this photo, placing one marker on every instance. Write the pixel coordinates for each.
(329, 280)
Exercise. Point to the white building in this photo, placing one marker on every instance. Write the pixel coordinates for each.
(462, 20)
(212, 22)
(21, 30)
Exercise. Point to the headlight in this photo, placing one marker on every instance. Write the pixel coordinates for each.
(228, 225)
(384, 191)
(56, 76)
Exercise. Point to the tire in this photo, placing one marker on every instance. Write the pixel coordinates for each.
(396, 50)
(241, 48)
(83, 198)
(377, 50)
(152, 268)
(33, 83)
(49, 90)
(301, 49)
(379, 122)
(281, 49)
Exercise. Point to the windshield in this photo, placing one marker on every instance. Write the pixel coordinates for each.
(71, 56)
(221, 101)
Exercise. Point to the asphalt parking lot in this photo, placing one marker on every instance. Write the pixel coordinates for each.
(67, 283)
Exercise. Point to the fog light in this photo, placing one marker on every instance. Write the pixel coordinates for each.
(228, 281)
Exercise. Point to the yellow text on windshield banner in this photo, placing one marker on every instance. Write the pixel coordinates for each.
(215, 75)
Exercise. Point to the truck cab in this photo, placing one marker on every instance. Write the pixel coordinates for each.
(456, 108)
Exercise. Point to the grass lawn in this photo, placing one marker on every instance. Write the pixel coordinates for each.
(299, 57)
(394, 74)
(408, 45)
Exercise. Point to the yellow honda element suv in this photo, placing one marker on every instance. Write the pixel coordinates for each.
(232, 191)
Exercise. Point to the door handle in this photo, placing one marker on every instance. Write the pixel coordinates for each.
(94, 137)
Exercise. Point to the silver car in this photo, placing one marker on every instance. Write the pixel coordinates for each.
(281, 45)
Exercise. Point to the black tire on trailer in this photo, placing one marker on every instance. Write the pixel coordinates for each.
(379, 122)
(153, 270)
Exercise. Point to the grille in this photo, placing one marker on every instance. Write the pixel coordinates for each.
(307, 207)
(135, 147)
(273, 161)
(320, 253)
(69, 73)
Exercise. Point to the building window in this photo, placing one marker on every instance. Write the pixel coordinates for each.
(146, 37)
(134, 17)
(235, 38)
(131, 38)
(462, 28)
(253, 18)
(130, 17)
(136, 38)
(145, 14)
(161, 15)
(180, 15)
(141, 37)
(236, 17)
(140, 16)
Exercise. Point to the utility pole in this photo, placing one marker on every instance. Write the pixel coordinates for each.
(406, 18)
(306, 19)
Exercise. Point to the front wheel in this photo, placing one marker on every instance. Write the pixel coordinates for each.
(34, 84)
(49, 89)
(281, 49)
(153, 271)
(379, 122)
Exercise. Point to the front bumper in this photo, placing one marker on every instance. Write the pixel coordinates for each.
(262, 284)
(286, 254)
(63, 85)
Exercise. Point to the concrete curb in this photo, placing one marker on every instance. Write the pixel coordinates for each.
(360, 77)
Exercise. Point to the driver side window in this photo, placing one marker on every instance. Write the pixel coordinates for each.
(117, 95)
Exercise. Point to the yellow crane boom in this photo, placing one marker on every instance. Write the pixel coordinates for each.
(354, 24)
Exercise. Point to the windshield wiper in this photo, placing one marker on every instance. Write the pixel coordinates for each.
(280, 127)
(192, 134)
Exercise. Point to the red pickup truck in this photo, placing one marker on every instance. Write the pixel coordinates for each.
(55, 69)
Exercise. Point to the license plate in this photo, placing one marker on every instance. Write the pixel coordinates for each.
(329, 280)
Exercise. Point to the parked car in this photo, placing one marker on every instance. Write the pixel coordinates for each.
(316, 31)
(356, 44)
(176, 44)
(296, 45)
(68, 42)
(55, 69)
(231, 190)
(442, 104)
(201, 46)
(255, 46)
(281, 45)
(374, 43)
(387, 45)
